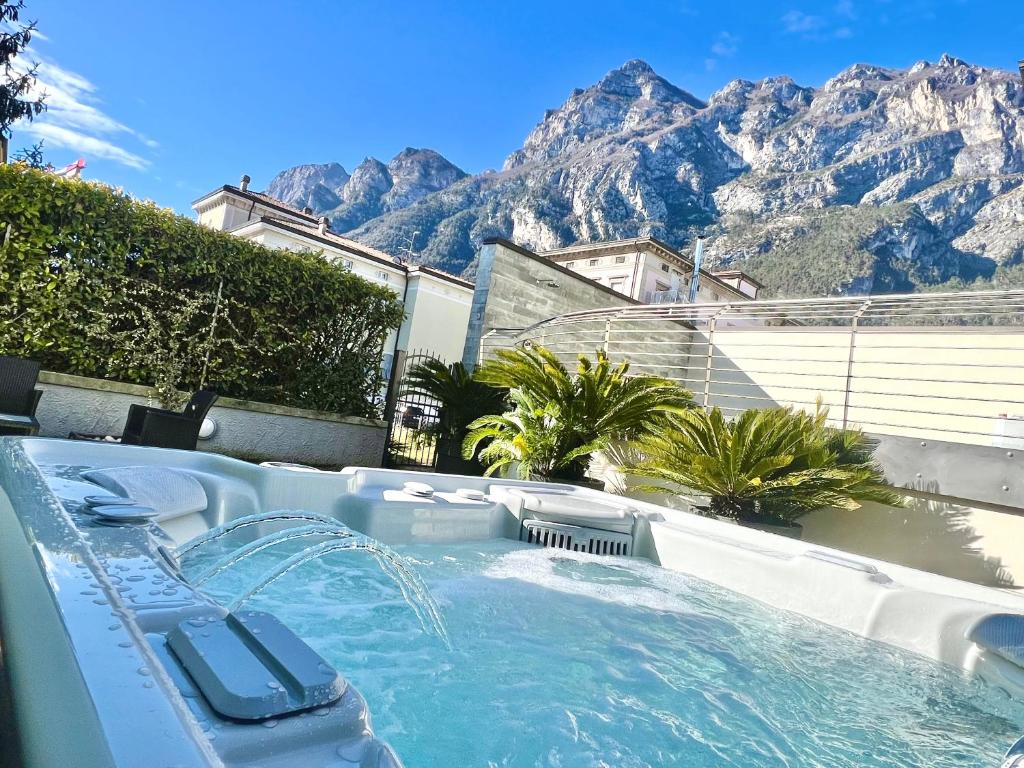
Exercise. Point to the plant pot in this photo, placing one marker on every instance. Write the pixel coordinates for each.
(449, 459)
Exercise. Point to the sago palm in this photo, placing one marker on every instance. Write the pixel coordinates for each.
(462, 397)
(770, 463)
(558, 418)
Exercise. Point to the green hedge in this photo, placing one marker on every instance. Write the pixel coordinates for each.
(96, 283)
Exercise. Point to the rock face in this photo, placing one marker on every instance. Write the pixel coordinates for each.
(881, 179)
(317, 185)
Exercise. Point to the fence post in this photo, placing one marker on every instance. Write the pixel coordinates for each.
(712, 321)
(854, 324)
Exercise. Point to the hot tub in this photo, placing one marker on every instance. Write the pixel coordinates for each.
(241, 615)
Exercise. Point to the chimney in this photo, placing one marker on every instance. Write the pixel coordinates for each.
(244, 183)
(308, 211)
(325, 224)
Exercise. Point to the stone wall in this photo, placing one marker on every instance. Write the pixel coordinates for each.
(516, 288)
(244, 429)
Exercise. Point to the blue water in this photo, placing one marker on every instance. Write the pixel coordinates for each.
(570, 661)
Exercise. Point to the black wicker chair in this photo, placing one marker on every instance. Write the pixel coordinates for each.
(18, 396)
(158, 428)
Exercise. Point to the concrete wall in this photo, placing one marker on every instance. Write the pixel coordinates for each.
(516, 288)
(249, 430)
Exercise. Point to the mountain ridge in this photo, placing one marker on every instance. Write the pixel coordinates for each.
(907, 178)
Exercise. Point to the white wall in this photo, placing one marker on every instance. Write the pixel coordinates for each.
(254, 431)
(392, 277)
(437, 317)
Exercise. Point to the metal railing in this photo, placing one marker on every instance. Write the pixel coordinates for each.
(942, 366)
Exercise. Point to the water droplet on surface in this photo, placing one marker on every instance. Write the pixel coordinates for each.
(147, 684)
(144, 671)
(89, 592)
(269, 723)
(101, 601)
(124, 644)
(114, 627)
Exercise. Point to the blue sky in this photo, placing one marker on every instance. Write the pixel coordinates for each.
(170, 100)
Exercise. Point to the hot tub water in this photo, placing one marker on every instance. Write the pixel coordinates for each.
(570, 660)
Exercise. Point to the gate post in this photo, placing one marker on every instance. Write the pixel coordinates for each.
(394, 384)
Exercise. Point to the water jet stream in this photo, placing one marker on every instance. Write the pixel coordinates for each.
(265, 542)
(255, 519)
(415, 592)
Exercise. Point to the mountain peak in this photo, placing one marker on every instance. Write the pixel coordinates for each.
(633, 95)
(637, 67)
(317, 185)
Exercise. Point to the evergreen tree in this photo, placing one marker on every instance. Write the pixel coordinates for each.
(15, 82)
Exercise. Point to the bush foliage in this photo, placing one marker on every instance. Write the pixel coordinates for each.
(96, 283)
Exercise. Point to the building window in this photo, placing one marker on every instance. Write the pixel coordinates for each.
(620, 259)
(677, 273)
(616, 285)
(715, 297)
(382, 275)
(660, 286)
(593, 262)
(570, 264)
(664, 267)
(346, 263)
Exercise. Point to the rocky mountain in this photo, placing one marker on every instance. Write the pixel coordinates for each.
(371, 190)
(318, 185)
(879, 180)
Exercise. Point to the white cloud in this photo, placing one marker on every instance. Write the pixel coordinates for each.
(845, 9)
(56, 136)
(725, 45)
(74, 118)
(798, 22)
(820, 28)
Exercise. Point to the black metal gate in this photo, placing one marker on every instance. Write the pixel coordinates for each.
(412, 418)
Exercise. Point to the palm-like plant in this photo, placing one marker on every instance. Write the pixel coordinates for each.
(558, 419)
(767, 464)
(463, 398)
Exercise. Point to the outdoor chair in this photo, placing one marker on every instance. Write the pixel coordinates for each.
(158, 428)
(18, 396)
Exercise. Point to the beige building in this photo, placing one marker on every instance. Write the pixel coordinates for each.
(436, 304)
(651, 272)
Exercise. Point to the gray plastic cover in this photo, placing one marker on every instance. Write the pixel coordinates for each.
(250, 666)
(1003, 634)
